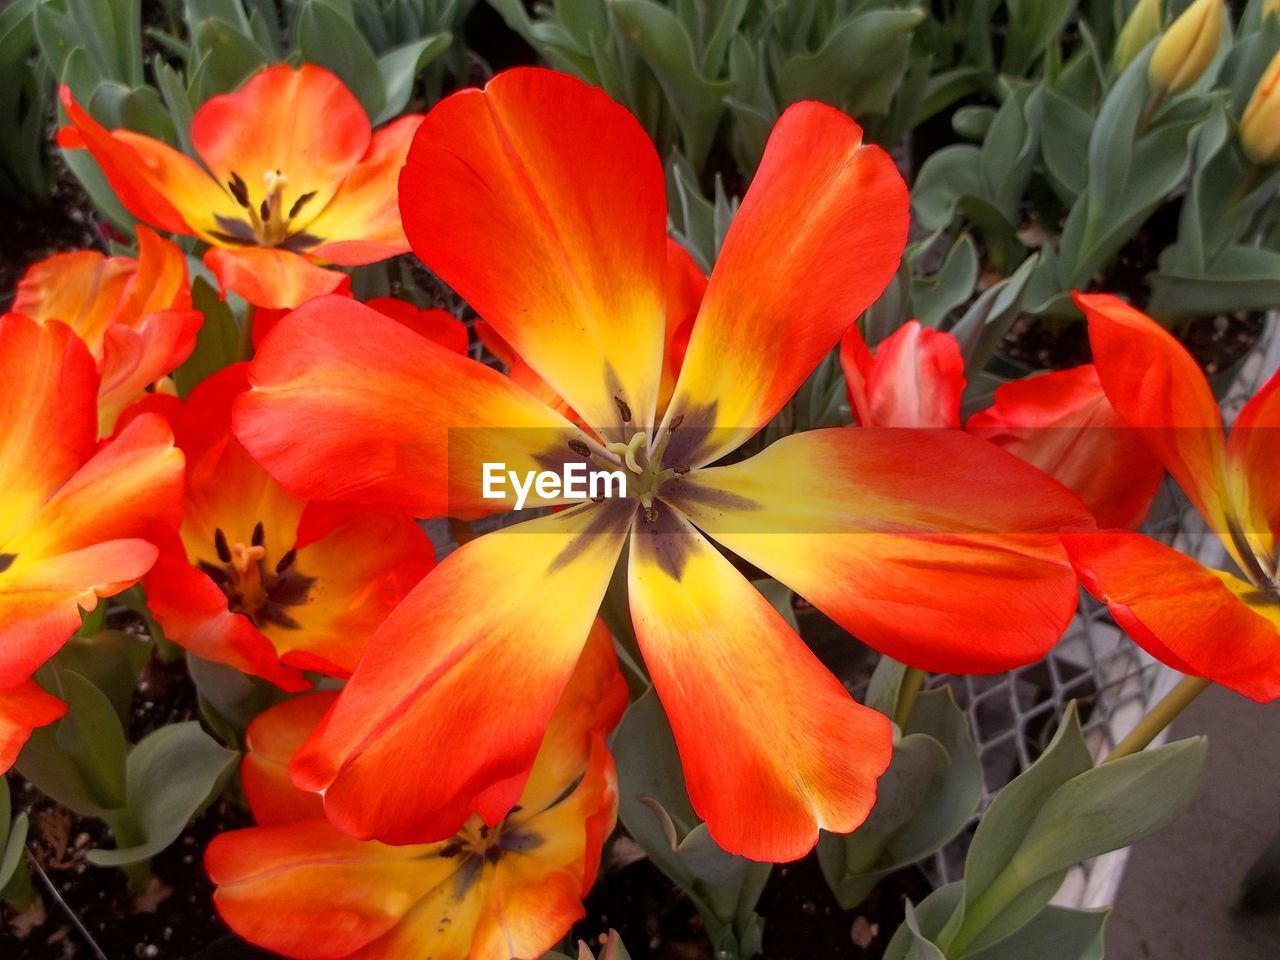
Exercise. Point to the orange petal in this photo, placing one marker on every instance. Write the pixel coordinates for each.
(1157, 388)
(1200, 621)
(442, 670)
(272, 740)
(361, 224)
(133, 359)
(438, 326)
(895, 535)
(269, 276)
(363, 567)
(915, 378)
(48, 419)
(297, 121)
(388, 416)
(560, 186)
(818, 237)
(23, 708)
(686, 284)
(83, 289)
(1253, 451)
(83, 543)
(773, 747)
(307, 890)
(155, 182)
(1062, 422)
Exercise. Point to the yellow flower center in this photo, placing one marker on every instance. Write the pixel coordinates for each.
(254, 588)
(270, 221)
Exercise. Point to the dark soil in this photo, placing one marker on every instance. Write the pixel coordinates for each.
(656, 921)
(92, 907)
(64, 221)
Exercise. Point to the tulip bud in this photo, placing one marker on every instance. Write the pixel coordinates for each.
(1187, 47)
(1269, 8)
(1260, 124)
(1140, 29)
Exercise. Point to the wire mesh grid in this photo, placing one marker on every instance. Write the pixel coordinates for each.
(1112, 681)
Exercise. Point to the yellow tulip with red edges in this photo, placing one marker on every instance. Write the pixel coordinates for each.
(293, 179)
(79, 520)
(542, 203)
(296, 885)
(134, 314)
(1204, 622)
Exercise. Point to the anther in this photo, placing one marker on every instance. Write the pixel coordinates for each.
(623, 410)
(220, 544)
(679, 470)
(651, 514)
(679, 419)
(264, 211)
(259, 535)
(579, 447)
(239, 189)
(301, 202)
(286, 561)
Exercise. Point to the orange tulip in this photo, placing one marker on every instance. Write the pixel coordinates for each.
(264, 581)
(298, 886)
(134, 315)
(293, 178)
(78, 520)
(1204, 622)
(541, 202)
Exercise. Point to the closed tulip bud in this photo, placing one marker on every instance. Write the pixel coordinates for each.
(1270, 8)
(1260, 125)
(1140, 29)
(1187, 47)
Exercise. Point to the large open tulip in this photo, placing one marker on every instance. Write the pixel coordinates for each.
(1203, 622)
(541, 201)
(78, 520)
(134, 314)
(302, 888)
(263, 581)
(1059, 421)
(293, 178)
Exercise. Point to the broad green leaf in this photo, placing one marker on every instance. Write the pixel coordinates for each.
(225, 58)
(111, 660)
(330, 39)
(217, 343)
(910, 944)
(400, 68)
(885, 685)
(654, 807)
(1241, 278)
(229, 699)
(944, 178)
(1033, 26)
(934, 296)
(173, 774)
(13, 843)
(986, 321)
(80, 760)
(1055, 934)
(1065, 129)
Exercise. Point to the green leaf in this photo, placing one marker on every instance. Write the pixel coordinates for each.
(654, 807)
(885, 686)
(931, 790)
(111, 660)
(1065, 130)
(1033, 26)
(80, 760)
(224, 57)
(330, 39)
(1241, 278)
(172, 775)
(910, 944)
(229, 699)
(1055, 934)
(948, 175)
(935, 296)
(986, 321)
(400, 68)
(217, 343)
(696, 100)
(13, 838)
(779, 596)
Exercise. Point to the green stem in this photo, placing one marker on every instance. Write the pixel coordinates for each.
(912, 682)
(1160, 716)
(127, 835)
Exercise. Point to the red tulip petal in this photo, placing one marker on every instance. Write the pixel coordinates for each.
(23, 708)
(915, 378)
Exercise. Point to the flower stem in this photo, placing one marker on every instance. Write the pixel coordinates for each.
(912, 682)
(1160, 716)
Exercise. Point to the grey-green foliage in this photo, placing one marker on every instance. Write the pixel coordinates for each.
(13, 838)
(145, 793)
(1080, 151)
(699, 73)
(24, 106)
(654, 807)
(931, 789)
(1061, 811)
